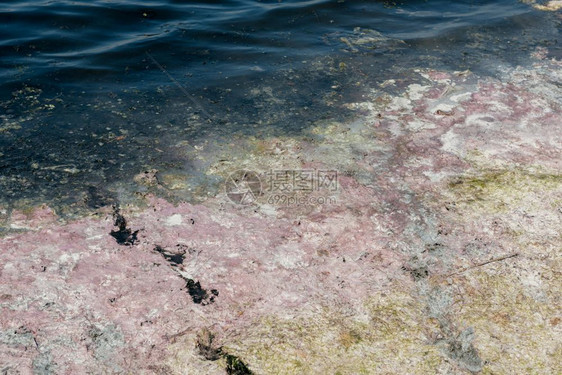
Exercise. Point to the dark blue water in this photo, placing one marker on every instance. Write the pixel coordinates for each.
(102, 44)
(93, 92)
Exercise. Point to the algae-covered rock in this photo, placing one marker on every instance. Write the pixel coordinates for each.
(440, 255)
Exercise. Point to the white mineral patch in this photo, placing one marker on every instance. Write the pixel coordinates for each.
(9, 269)
(447, 108)
(451, 142)
(501, 107)
(20, 225)
(268, 210)
(174, 220)
(416, 91)
(416, 125)
(399, 104)
(288, 256)
(533, 285)
(463, 97)
(69, 258)
(482, 121)
(395, 129)
(95, 238)
(436, 177)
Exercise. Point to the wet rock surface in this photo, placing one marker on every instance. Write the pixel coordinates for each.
(439, 253)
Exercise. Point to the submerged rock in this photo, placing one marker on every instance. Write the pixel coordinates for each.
(364, 40)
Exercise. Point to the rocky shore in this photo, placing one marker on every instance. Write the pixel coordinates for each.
(439, 252)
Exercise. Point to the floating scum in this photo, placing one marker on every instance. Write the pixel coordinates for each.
(440, 255)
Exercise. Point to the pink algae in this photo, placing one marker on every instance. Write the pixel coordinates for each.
(64, 283)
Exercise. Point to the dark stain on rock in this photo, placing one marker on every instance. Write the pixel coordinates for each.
(417, 272)
(459, 347)
(198, 294)
(206, 346)
(211, 352)
(175, 259)
(235, 366)
(433, 247)
(461, 350)
(123, 236)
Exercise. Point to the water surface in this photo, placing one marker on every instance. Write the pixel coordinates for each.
(92, 93)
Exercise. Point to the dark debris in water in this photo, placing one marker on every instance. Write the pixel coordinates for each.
(123, 236)
(97, 197)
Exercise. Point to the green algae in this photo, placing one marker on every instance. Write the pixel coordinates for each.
(500, 190)
(389, 336)
(516, 333)
(512, 307)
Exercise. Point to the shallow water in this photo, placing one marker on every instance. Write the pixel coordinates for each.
(93, 93)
